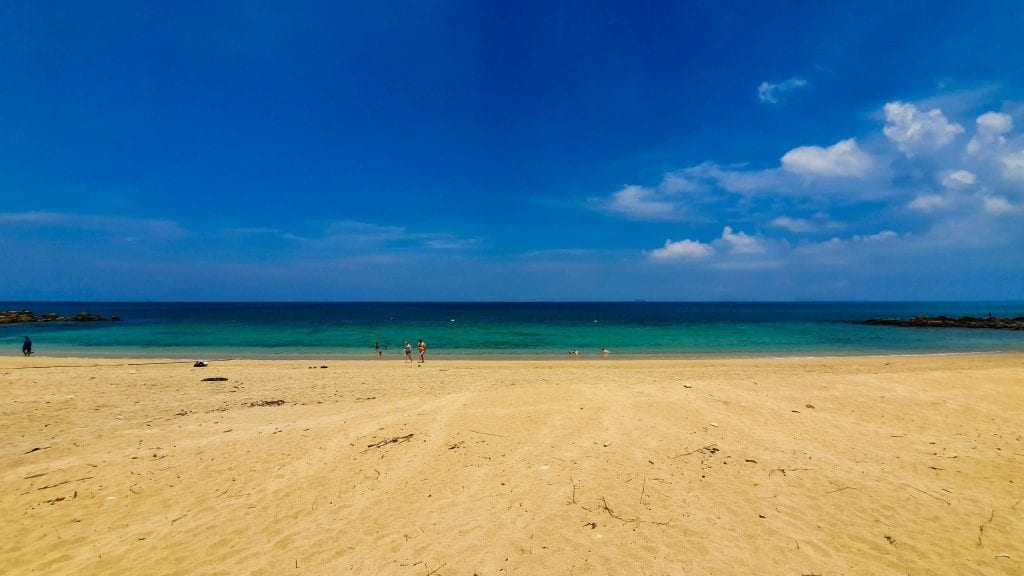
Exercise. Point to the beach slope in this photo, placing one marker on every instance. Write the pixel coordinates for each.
(880, 465)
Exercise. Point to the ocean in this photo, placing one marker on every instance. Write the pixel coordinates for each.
(502, 330)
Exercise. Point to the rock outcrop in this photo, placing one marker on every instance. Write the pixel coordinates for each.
(26, 316)
(947, 322)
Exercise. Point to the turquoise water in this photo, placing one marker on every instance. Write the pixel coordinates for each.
(318, 330)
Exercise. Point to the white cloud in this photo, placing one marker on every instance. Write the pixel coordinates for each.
(842, 159)
(816, 223)
(740, 242)
(879, 237)
(773, 93)
(795, 225)
(675, 183)
(928, 203)
(640, 203)
(683, 250)
(920, 197)
(994, 123)
(997, 205)
(991, 127)
(349, 237)
(913, 131)
(121, 227)
(959, 179)
(1013, 165)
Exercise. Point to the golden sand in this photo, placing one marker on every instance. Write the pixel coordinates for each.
(882, 465)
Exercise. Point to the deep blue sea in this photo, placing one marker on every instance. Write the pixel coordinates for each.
(484, 330)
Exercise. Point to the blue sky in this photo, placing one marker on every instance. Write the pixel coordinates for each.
(705, 150)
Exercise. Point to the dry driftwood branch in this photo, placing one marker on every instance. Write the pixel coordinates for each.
(710, 449)
(606, 508)
(392, 440)
(266, 403)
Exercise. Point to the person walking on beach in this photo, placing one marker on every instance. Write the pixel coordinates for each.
(422, 347)
(408, 351)
(380, 353)
(26, 346)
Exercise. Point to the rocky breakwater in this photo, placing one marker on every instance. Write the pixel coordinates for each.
(25, 317)
(949, 322)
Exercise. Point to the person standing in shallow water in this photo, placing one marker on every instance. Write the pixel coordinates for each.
(26, 346)
(422, 347)
(408, 351)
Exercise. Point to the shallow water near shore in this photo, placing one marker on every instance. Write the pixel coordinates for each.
(500, 330)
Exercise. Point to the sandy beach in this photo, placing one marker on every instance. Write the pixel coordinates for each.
(877, 465)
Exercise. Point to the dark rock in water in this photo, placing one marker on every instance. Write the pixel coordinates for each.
(26, 316)
(17, 317)
(947, 322)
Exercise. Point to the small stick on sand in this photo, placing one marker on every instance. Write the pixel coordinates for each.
(487, 433)
(939, 498)
(981, 529)
(392, 440)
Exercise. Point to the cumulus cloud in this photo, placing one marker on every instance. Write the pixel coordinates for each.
(927, 203)
(735, 243)
(774, 93)
(997, 205)
(994, 123)
(1013, 165)
(959, 179)
(908, 177)
(669, 200)
(740, 242)
(913, 131)
(990, 129)
(842, 159)
(683, 250)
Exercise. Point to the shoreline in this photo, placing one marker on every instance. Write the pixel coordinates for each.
(560, 358)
